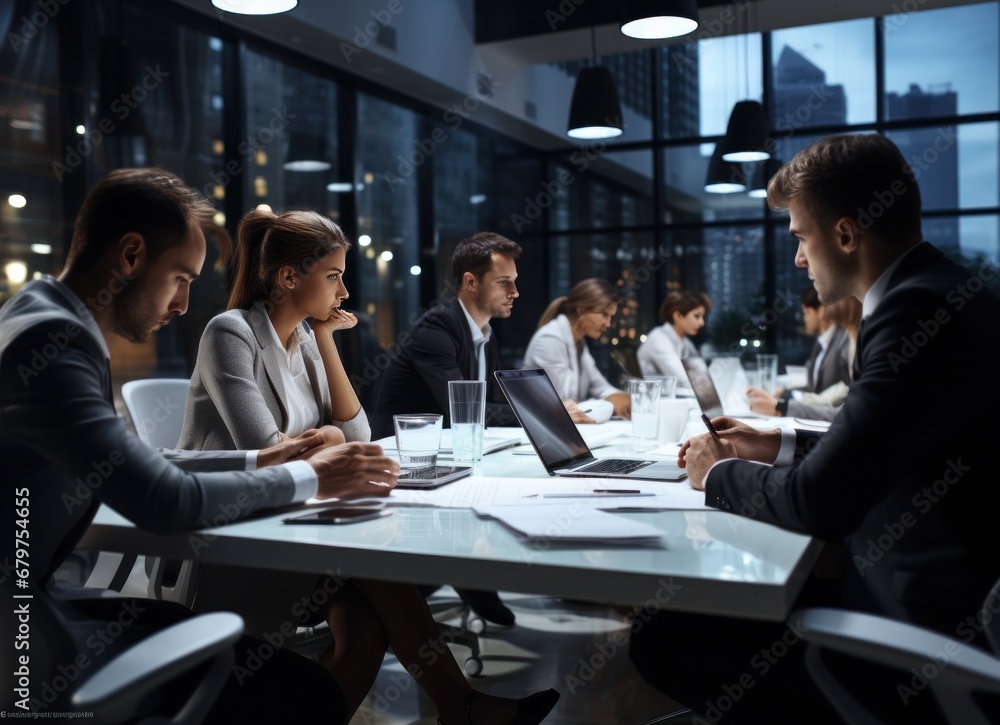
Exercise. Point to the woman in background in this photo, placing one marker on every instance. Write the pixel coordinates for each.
(683, 315)
(262, 375)
(559, 348)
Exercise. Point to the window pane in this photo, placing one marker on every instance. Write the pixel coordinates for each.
(387, 212)
(31, 144)
(823, 75)
(290, 151)
(681, 100)
(732, 270)
(955, 166)
(941, 62)
(596, 188)
(785, 316)
(686, 169)
(729, 70)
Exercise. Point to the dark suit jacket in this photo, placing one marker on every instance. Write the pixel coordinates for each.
(438, 349)
(64, 449)
(907, 468)
(836, 365)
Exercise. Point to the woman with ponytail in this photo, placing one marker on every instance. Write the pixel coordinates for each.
(559, 348)
(683, 315)
(262, 375)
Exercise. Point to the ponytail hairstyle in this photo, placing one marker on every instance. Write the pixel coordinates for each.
(683, 302)
(266, 242)
(593, 295)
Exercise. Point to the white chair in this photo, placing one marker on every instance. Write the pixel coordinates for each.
(954, 671)
(156, 407)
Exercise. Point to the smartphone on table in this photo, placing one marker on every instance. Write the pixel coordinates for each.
(340, 515)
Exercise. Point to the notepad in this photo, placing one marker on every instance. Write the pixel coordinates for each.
(576, 525)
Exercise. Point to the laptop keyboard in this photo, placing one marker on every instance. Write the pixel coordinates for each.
(615, 465)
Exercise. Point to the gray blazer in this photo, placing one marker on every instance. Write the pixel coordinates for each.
(237, 398)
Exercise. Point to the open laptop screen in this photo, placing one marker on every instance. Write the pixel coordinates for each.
(703, 387)
(544, 418)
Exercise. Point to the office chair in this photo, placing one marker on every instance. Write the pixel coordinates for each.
(954, 669)
(156, 407)
(127, 687)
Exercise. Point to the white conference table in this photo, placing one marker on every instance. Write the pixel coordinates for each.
(708, 561)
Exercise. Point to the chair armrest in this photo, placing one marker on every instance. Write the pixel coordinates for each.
(116, 689)
(894, 644)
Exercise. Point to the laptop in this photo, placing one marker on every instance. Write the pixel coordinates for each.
(556, 439)
(726, 375)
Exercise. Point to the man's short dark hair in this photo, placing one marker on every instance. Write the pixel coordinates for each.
(809, 297)
(475, 254)
(149, 201)
(861, 176)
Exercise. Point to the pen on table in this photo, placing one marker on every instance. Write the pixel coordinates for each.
(588, 410)
(711, 428)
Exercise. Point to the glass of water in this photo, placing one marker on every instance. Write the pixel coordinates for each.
(418, 438)
(467, 405)
(645, 395)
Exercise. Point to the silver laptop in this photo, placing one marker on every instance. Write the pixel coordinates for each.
(556, 439)
(726, 374)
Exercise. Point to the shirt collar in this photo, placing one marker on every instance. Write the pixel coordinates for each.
(292, 349)
(479, 335)
(877, 291)
(825, 337)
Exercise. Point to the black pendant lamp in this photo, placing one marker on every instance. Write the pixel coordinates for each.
(306, 152)
(724, 177)
(659, 19)
(761, 176)
(595, 112)
(746, 136)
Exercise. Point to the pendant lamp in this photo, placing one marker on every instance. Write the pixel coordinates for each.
(595, 112)
(724, 177)
(306, 153)
(746, 136)
(659, 19)
(255, 7)
(761, 176)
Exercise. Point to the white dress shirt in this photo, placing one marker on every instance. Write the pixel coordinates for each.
(480, 336)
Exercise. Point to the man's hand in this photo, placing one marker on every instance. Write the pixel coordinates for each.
(330, 435)
(739, 440)
(622, 403)
(699, 453)
(576, 413)
(354, 470)
(760, 402)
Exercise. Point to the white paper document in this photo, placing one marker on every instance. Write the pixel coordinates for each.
(491, 491)
(536, 523)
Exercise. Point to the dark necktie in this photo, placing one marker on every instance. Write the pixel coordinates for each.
(856, 365)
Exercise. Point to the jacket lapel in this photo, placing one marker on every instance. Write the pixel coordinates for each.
(269, 354)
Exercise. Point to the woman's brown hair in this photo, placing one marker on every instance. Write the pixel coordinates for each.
(684, 302)
(266, 242)
(591, 294)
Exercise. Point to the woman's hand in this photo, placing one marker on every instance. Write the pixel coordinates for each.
(318, 439)
(577, 413)
(622, 403)
(339, 319)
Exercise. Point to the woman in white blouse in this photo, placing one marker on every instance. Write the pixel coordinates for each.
(559, 347)
(683, 315)
(262, 375)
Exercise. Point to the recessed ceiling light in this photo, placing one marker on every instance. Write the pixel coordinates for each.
(41, 248)
(17, 201)
(255, 7)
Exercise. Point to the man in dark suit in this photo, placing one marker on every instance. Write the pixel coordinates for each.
(899, 480)
(454, 341)
(828, 361)
(138, 244)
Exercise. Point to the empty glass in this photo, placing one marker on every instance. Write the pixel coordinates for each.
(418, 438)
